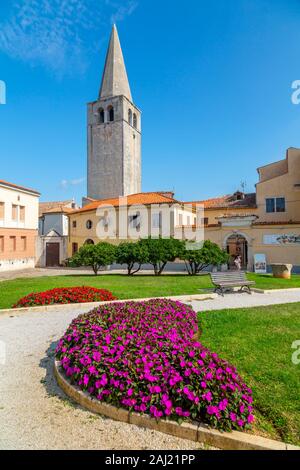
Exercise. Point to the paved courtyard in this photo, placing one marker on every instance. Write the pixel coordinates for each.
(35, 414)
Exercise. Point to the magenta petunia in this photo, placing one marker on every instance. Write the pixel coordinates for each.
(142, 356)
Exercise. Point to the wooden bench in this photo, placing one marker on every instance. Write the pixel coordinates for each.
(229, 279)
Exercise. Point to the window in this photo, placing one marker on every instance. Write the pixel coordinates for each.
(134, 221)
(12, 243)
(1, 210)
(89, 224)
(111, 114)
(205, 221)
(275, 205)
(89, 242)
(280, 204)
(23, 243)
(156, 220)
(74, 248)
(1, 244)
(134, 121)
(74, 224)
(180, 218)
(130, 117)
(14, 214)
(22, 213)
(101, 116)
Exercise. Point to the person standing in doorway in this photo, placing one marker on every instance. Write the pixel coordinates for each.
(238, 262)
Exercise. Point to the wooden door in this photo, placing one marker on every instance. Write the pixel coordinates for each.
(52, 254)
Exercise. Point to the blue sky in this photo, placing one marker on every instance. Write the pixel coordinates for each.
(212, 78)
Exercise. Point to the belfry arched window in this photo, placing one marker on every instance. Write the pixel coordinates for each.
(101, 115)
(111, 113)
(134, 120)
(130, 117)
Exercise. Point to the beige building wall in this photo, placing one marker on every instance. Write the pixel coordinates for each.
(258, 240)
(79, 234)
(213, 214)
(18, 227)
(280, 180)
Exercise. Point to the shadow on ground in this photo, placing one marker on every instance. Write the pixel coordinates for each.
(49, 381)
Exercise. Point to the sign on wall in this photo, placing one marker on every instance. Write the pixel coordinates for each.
(260, 264)
(281, 239)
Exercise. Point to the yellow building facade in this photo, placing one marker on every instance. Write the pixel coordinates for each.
(263, 223)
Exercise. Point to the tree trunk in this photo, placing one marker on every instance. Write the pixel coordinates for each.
(136, 270)
(95, 269)
(162, 268)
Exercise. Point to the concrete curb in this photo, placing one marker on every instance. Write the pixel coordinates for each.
(191, 431)
(272, 291)
(91, 305)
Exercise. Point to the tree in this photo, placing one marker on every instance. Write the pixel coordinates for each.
(132, 253)
(209, 255)
(161, 251)
(96, 256)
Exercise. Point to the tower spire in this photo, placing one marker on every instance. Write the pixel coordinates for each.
(114, 80)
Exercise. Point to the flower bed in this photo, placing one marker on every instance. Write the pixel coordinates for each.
(65, 295)
(141, 356)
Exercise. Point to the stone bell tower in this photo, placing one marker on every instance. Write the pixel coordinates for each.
(114, 132)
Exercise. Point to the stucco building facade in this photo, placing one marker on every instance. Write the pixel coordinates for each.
(18, 226)
(266, 222)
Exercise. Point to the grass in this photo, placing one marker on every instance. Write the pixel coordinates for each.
(128, 287)
(258, 342)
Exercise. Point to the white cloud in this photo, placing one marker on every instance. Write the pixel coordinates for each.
(122, 9)
(65, 184)
(58, 33)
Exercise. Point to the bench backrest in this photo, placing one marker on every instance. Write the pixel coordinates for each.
(229, 276)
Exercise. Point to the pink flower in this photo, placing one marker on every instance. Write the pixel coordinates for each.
(85, 379)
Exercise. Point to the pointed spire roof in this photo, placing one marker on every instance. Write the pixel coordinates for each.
(114, 80)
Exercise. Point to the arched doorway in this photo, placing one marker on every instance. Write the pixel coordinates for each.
(237, 245)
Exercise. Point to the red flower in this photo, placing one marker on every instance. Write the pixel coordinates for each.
(65, 295)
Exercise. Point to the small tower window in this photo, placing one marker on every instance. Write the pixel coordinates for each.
(134, 121)
(101, 115)
(130, 117)
(111, 114)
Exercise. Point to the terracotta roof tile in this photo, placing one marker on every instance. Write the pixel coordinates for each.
(16, 186)
(133, 199)
(47, 206)
(228, 201)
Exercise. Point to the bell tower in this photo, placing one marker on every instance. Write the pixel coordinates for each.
(114, 132)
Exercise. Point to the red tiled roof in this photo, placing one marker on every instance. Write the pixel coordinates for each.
(132, 199)
(47, 206)
(57, 210)
(228, 201)
(16, 186)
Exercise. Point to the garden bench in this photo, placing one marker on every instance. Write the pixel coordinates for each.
(230, 279)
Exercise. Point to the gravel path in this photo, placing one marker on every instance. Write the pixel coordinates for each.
(238, 300)
(35, 414)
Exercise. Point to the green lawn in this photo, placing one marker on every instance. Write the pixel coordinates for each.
(126, 287)
(258, 342)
